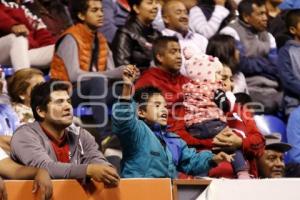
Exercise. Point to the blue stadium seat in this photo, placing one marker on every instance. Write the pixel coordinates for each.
(268, 124)
(9, 121)
(8, 70)
(290, 5)
(47, 77)
(85, 111)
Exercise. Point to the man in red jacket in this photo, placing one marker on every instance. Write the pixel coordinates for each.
(24, 38)
(167, 77)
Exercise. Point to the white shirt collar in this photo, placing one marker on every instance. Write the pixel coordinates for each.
(170, 32)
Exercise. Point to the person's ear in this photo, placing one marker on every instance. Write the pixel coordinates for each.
(141, 113)
(22, 97)
(136, 9)
(245, 18)
(166, 19)
(159, 57)
(40, 112)
(81, 16)
(292, 30)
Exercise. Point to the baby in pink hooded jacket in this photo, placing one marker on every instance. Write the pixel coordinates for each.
(205, 102)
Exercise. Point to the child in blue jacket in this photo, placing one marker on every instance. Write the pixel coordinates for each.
(149, 150)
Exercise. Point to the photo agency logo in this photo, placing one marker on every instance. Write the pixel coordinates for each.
(103, 94)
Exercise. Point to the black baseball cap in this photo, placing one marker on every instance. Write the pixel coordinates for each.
(273, 142)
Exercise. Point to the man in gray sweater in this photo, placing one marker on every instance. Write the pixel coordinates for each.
(53, 143)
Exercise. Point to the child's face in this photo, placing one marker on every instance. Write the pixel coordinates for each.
(93, 17)
(227, 79)
(156, 110)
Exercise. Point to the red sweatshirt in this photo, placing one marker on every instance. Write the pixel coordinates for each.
(12, 14)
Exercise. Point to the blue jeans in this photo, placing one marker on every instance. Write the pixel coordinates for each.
(239, 163)
(206, 129)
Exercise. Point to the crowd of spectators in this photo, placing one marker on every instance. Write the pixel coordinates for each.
(171, 83)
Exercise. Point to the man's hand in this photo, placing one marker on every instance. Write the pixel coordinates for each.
(103, 173)
(221, 139)
(234, 140)
(20, 29)
(130, 74)
(3, 194)
(227, 138)
(221, 157)
(42, 182)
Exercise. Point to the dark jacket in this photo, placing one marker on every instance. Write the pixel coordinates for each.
(258, 50)
(289, 66)
(133, 44)
(115, 16)
(53, 13)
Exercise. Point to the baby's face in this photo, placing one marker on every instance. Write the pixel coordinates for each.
(218, 75)
(227, 79)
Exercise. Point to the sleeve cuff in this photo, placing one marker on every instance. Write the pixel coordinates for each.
(212, 163)
(125, 100)
(80, 172)
(222, 11)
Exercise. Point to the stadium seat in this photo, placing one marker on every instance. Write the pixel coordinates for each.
(8, 70)
(290, 5)
(8, 120)
(83, 111)
(268, 124)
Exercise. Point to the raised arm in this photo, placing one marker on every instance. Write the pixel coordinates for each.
(124, 117)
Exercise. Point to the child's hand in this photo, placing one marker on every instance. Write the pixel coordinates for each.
(221, 157)
(130, 74)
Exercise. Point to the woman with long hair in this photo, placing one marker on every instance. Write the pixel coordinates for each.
(224, 47)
